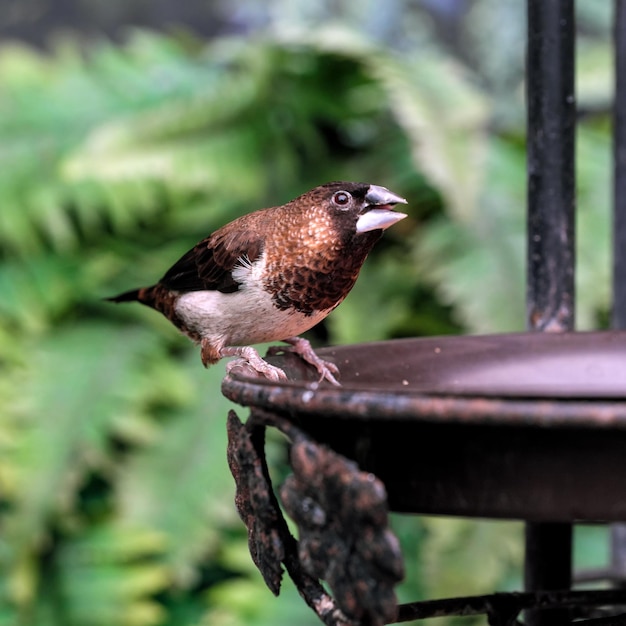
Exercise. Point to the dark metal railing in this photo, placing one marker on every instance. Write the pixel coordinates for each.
(550, 297)
(551, 136)
(619, 175)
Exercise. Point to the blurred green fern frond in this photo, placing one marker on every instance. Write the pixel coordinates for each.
(114, 160)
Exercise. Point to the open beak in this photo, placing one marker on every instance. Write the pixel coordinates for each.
(378, 213)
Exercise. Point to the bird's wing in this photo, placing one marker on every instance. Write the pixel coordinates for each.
(209, 265)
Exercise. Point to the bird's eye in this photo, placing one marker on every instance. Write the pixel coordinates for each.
(342, 198)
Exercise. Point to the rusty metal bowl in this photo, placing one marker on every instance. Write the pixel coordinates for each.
(526, 425)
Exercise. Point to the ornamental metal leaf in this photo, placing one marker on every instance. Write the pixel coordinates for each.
(255, 502)
(341, 515)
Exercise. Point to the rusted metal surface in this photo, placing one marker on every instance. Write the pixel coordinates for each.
(270, 542)
(532, 379)
(550, 291)
(551, 135)
(548, 565)
(341, 514)
(503, 608)
(344, 537)
(255, 501)
(519, 456)
(522, 473)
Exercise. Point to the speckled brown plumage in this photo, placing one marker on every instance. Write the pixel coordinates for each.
(272, 274)
(317, 283)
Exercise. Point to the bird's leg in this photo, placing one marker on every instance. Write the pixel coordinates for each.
(209, 354)
(304, 350)
(250, 356)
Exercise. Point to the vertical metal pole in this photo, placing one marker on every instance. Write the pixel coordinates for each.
(550, 162)
(619, 171)
(618, 531)
(551, 230)
(548, 565)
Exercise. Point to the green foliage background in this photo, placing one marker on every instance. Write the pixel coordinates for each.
(115, 498)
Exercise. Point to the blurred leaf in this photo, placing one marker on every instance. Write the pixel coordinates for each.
(180, 484)
(435, 103)
(105, 578)
(245, 603)
(594, 244)
(78, 384)
(594, 74)
(591, 546)
(477, 264)
(445, 118)
(453, 547)
(498, 25)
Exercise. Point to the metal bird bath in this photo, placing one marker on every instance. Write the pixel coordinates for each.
(520, 426)
(528, 426)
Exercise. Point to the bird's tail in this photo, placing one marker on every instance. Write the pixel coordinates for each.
(127, 296)
(133, 295)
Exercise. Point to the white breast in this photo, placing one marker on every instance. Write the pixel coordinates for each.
(244, 317)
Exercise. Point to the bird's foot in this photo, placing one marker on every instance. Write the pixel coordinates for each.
(248, 356)
(304, 350)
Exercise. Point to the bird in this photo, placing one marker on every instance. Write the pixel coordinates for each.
(273, 274)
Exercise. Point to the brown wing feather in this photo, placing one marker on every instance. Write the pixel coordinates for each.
(209, 264)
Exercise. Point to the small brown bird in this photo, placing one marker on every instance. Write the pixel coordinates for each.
(273, 274)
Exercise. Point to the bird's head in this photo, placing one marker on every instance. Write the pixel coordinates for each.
(359, 208)
(319, 241)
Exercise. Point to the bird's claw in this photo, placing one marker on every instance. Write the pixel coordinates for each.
(326, 369)
(275, 374)
(251, 363)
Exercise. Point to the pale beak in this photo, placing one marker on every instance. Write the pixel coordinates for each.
(382, 216)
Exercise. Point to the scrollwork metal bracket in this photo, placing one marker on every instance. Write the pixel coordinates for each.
(341, 514)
